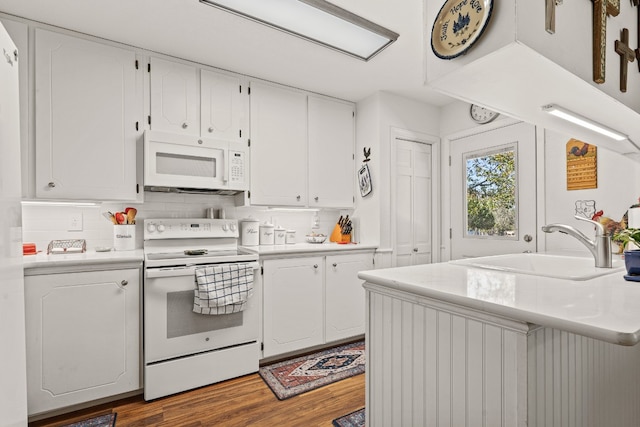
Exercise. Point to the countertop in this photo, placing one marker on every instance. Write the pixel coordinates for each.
(42, 260)
(305, 248)
(605, 308)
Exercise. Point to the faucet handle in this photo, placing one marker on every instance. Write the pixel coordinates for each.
(600, 230)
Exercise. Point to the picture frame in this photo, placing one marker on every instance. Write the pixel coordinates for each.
(364, 180)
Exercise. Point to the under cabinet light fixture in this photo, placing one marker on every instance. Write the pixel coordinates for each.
(317, 21)
(579, 120)
(57, 203)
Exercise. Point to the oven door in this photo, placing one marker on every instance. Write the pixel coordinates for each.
(187, 162)
(172, 329)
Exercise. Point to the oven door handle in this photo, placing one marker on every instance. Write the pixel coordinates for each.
(152, 273)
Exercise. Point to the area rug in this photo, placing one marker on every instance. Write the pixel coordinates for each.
(108, 420)
(295, 376)
(354, 419)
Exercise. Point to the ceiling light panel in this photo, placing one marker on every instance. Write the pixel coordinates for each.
(315, 20)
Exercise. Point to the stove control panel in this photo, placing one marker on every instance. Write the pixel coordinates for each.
(181, 228)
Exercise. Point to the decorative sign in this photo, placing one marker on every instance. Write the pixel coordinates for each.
(626, 55)
(586, 208)
(601, 9)
(458, 26)
(364, 180)
(582, 167)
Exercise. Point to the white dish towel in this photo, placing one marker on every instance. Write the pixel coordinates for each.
(223, 288)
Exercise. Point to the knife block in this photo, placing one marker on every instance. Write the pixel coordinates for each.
(335, 234)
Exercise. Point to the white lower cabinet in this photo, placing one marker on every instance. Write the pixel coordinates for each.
(345, 296)
(83, 336)
(293, 304)
(309, 301)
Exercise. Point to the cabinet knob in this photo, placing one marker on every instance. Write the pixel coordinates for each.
(415, 249)
(298, 198)
(124, 283)
(52, 184)
(210, 129)
(184, 126)
(315, 198)
(200, 141)
(315, 265)
(335, 264)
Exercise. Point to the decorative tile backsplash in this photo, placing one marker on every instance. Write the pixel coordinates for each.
(43, 223)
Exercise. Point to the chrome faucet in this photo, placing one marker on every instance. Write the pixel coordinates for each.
(600, 248)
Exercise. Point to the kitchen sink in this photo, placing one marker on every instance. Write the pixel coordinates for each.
(545, 265)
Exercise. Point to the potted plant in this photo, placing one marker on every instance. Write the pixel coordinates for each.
(629, 238)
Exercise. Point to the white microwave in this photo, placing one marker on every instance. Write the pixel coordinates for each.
(187, 163)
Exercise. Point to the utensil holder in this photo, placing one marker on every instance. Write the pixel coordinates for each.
(124, 237)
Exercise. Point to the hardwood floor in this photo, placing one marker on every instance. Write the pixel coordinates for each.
(240, 402)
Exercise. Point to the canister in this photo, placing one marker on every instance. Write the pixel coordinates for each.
(249, 232)
(280, 236)
(266, 234)
(290, 237)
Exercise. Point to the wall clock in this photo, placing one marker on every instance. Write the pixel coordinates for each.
(459, 24)
(482, 115)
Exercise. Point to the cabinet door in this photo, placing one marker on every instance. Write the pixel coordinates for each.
(83, 337)
(331, 161)
(293, 304)
(175, 99)
(86, 113)
(222, 103)
(278, 146)
(345, 296)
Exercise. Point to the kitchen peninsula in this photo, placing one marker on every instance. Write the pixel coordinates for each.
(452, 344)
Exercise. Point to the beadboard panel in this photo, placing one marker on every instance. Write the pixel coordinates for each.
(434, 364)
(576, 381)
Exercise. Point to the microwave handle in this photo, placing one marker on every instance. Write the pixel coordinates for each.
(225, 166)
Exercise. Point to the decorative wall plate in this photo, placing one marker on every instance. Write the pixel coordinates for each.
(458, 26)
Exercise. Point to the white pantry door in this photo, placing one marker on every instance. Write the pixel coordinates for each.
(411, 202)
(493, 192)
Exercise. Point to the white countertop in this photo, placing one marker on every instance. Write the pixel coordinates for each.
(42, 260)
(606, 308)
(301, 248)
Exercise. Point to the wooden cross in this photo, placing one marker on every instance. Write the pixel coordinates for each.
(601, 9)
(550, 15)
(637, 4)
(626, 55)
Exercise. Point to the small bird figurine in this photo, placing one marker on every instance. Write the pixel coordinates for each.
(579, 152)
(611, 227)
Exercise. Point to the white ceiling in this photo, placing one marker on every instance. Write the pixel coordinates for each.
(200, 33)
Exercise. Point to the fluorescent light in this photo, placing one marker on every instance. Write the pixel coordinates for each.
(317, 21)
(583, 121)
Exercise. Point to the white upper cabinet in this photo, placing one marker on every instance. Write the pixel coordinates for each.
(187, 100)
(302, 149)
(331, 145)
(278, 146)
(223, 107)
(175, 99)
(87, 109)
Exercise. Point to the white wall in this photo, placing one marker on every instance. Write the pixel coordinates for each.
(375, 118)
(618, 188)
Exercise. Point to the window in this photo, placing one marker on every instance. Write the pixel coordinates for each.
(491, 193)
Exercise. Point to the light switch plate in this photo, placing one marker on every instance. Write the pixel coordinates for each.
(75, 222)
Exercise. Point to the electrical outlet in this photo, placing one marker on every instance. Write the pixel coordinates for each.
(75, 222)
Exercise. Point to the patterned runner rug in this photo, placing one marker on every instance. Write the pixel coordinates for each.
(108, 420)
(295, 376)
(354, 419)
